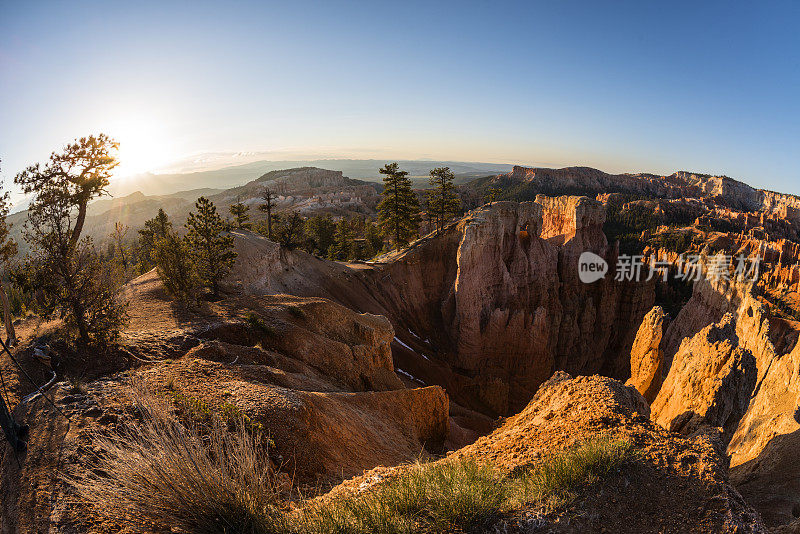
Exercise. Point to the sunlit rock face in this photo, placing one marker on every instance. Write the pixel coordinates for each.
(709, 383)
(647, 355)
(502, 290)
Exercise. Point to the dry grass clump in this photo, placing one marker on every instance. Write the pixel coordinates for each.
(161, 472)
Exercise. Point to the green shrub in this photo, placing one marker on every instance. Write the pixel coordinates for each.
(176, 269)
(296, 311)
(258, 325)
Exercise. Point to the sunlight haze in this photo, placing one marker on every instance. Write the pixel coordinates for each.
(629, 88)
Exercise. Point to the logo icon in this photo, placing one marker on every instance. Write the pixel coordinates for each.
(591, 267)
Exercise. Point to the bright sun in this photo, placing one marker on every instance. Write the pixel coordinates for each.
(143, 147)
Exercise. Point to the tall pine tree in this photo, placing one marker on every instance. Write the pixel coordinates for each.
(154, 230)
(443, 202)
(211, 251)
(398, 212)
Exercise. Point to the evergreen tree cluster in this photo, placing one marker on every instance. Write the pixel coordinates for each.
(201, 259)
(342, 238)
(398, 211)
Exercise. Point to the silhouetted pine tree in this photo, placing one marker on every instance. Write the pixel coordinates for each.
(269, 202)
(398, 212)
(211, 251)
(82, 287)
(154, 230)
(443, 202)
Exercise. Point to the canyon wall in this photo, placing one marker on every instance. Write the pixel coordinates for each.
(490, 307)
(496, 298)
(716, 190)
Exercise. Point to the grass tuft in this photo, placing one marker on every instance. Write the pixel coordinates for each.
(438, 497)
(162, 472)
(557, 479)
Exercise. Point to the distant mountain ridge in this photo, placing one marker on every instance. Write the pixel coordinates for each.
(310, 190)
(232, 176)
(524, 183)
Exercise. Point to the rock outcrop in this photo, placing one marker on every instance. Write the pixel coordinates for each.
(709, 383)
(647, 356)
(762, 446)
(319, 432)
(679, 484)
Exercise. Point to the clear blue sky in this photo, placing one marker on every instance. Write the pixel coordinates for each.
(622, 86)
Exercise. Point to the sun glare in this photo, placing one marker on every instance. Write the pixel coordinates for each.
(143, 147)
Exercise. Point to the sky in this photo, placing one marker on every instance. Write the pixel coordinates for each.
(622, 86)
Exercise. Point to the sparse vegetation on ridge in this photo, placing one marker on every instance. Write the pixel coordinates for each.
(217, 478)
(463, 495)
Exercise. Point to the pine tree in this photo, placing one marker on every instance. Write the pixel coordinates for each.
(321, 230)
(154, 230)
(443, 202)
(374, 235)
(82, 286)
(289, 229)
(211, 251)
(399, 210)
(118, 244)
(342, 241)
(239, 210)
(269, 202)
(176, 269)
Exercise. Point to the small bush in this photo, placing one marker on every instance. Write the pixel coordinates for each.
(296, 311)
(258, 325)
